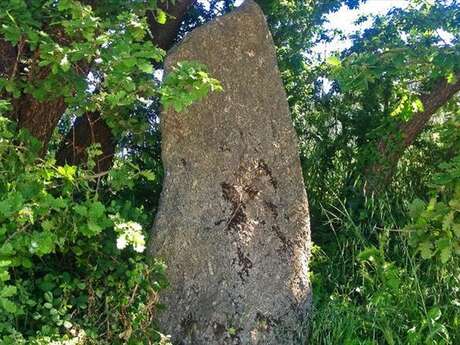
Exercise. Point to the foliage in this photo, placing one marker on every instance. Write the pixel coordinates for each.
(188, 82)
(109, 41)
(114, 42)
(60, 265)
(436, 225)
(371, 287)
(360, 97)
(385, 268)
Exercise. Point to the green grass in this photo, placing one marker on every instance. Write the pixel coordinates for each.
(371, 287)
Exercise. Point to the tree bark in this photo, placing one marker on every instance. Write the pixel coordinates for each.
(40, 118)
(8, 58)
(391, 148)
(88, 129)
(80, 136)
(164, 35)
(432, 102)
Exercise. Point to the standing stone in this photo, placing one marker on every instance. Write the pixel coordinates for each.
(233, 224)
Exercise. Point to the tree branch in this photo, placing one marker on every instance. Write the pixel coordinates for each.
(392, 147)
(438, 97)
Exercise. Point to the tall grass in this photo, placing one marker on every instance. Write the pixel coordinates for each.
(371, 287)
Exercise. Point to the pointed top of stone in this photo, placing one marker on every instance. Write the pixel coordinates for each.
(248, 11)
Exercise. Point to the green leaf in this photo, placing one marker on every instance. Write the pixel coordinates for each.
(96, 210)
(160, 16)
(445, 254)
(12, 33)
(456, 229)
(7, 249)
(444, 246)
(65, 63)
(5, 263)
(81, 210)
(67, 171)
(416, 208)
(4, 276)
(148, 175)
(333, 61)
(94, 228)
(8, 291)
(369, 254)
(417, 105)
(425, 249)
(8, 306)
(146, 67)
(48, 305)
(451, 78)
(42, 243)
(434, 314)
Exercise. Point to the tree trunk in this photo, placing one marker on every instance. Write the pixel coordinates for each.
(8, 59)
(38, 117)
(88, 129)
(164, 35)
(80, 136)
(391, 148)
(233, 224)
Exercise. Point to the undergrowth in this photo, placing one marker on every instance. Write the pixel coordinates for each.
(390, 273)
(72, 267)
